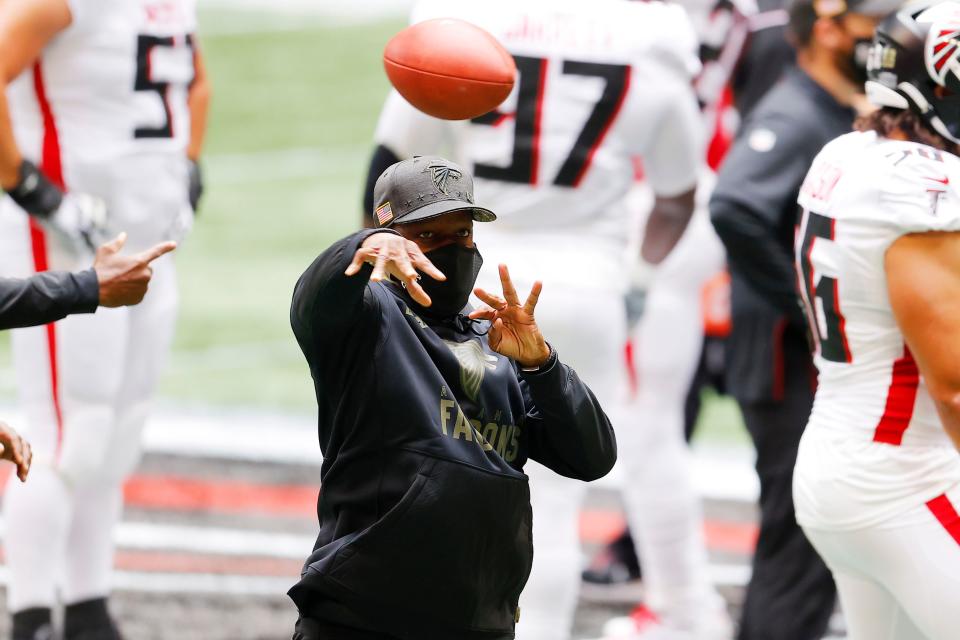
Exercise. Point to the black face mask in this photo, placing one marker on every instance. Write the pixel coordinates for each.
(461, 266)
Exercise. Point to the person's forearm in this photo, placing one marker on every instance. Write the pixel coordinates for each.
(668, 220)
(948, 407)
(10, 156)
(198, 101)
(47, 297)
(570, 434)
(25, 29)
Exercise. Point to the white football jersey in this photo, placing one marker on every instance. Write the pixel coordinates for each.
(874, 430)
(111, 85)
(599, 85)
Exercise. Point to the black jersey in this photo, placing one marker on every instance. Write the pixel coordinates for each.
(424, 508)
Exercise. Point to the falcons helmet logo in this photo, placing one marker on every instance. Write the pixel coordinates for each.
(943, 51)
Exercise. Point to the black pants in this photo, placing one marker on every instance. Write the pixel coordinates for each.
(310, 629)
(791, 595)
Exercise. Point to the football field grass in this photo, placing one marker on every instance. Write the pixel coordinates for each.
(294, 106)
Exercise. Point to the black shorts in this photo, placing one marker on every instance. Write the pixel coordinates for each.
(311, 629)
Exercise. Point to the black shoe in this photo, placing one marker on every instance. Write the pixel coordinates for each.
(89, 620)
(33, 624)
(617, 563)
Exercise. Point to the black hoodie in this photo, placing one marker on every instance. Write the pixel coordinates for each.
(424, 508)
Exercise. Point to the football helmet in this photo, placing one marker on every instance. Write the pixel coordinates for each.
(914, 63)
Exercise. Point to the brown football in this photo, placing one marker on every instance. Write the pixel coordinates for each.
(449, 68)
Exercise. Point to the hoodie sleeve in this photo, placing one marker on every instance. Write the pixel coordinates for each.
(325, 300)
(566, 426)
(47, 297)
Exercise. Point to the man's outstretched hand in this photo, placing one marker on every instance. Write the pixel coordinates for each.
(16, 450)
(513, 330)
(392, 254)
(124, 279)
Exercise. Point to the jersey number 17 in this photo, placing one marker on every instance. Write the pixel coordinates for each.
(531, 87)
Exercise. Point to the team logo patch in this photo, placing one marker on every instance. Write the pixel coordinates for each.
(384, 214)
(474, 363)
(442, 175)
(762, 140)
(943, 50)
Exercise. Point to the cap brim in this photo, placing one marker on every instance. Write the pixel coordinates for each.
(444, 207)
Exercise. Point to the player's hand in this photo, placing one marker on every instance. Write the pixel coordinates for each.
(16, 450)
(124, 279)
(81, 221)
(635, 299)
(513, 330)
(392, 254)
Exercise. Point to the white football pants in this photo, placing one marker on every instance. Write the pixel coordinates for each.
(898, 582)
(662, 507)
(85, 386)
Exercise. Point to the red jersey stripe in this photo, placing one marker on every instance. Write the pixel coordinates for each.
(945, 513)
(52, 167)
(901, 397)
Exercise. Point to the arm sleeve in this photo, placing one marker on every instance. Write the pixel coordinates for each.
(325, 299)
(675, 152)
(758, 182)
(567, 429)
(47, 297)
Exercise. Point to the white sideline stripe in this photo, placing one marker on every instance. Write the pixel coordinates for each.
(719, 473)
(202, 583)
(213, 540)
(150, 536)
(224, 541)
(192, 583)
(722, 576)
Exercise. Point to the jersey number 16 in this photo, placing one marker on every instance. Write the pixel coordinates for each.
(822, 295)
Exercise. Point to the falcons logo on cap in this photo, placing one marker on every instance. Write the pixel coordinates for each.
(943, 50)
(442, 174)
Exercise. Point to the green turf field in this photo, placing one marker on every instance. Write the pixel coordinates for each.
(294, 106)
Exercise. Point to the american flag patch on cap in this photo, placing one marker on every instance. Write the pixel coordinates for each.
(384, 214)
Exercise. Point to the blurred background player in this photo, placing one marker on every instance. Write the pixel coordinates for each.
(104, 110)
(743, 52)
(791, 594)
(598, 86)
(877, 483)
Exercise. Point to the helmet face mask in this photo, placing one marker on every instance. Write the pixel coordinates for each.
(915, 63)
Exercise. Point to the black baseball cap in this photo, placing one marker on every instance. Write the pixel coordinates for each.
(424, 187)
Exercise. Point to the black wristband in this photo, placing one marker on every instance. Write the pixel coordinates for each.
(551, 360)
(34, 192)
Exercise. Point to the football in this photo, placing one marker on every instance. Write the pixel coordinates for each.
(449, 68)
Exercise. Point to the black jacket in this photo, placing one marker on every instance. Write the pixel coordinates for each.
(424, 509)
(47, 297)
(754, 210)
